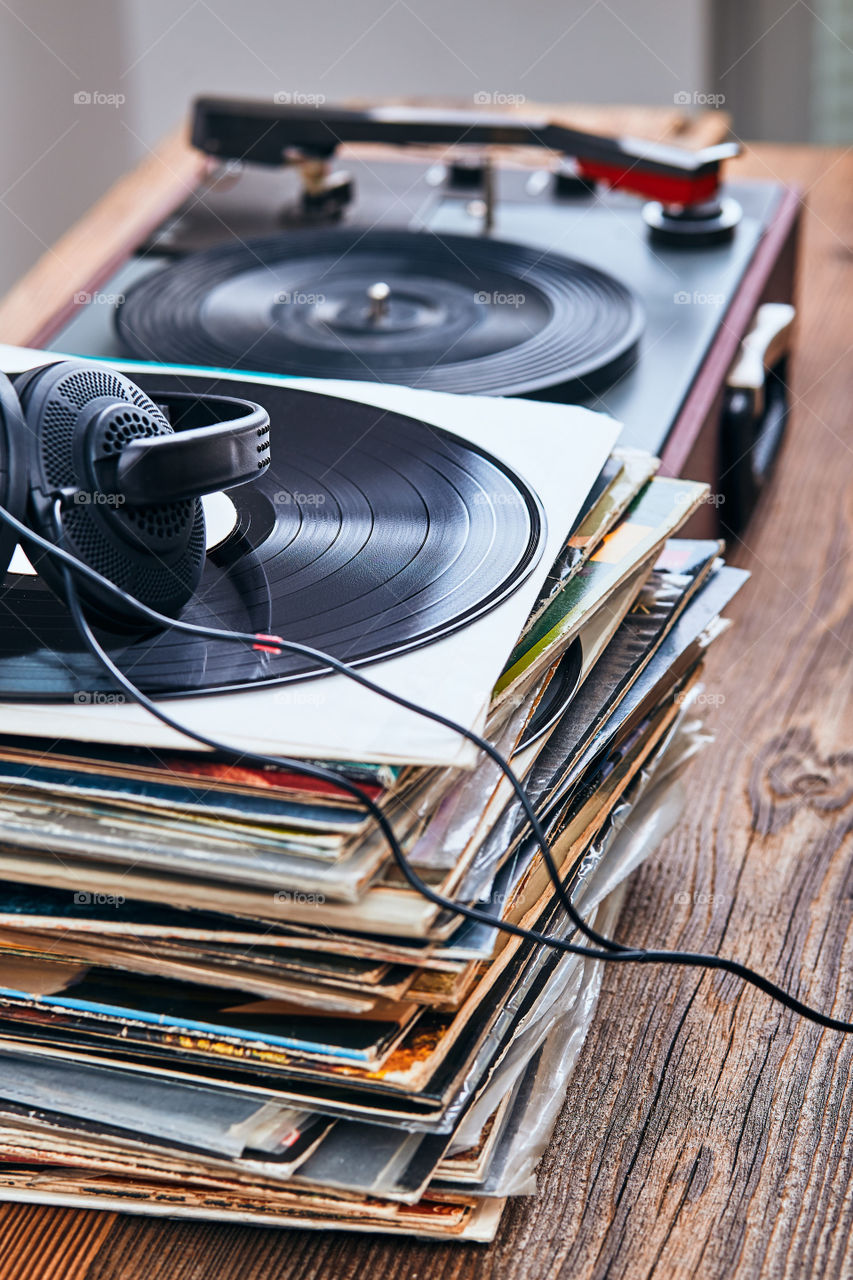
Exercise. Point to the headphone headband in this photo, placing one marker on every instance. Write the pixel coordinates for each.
(219, 442)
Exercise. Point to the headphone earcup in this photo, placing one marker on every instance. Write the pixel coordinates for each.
(13, 470)
(77, 417)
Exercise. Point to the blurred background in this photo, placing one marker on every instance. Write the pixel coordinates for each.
(87, 87)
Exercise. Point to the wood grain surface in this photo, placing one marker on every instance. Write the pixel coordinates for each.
(707, 1132)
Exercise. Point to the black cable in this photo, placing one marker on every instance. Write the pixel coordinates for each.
(325, 662)
(308, 769)
(692, 959)
(606, 950)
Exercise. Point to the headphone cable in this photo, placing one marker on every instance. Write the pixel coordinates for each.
(606, 949)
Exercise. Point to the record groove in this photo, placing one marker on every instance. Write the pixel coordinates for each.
(370, 534)
(557, 696)
(462, 314)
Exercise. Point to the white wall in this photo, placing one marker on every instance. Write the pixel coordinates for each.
(560, 50)
(57, 156)
(54, 156)
(762, 57)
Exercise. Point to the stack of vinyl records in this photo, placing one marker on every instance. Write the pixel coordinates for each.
(219, 995)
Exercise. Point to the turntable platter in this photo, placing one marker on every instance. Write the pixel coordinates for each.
(446, 313)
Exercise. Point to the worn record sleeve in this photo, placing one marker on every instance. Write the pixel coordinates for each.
(654, 612)
(662, 507)
(448, 1217)
(619, 483)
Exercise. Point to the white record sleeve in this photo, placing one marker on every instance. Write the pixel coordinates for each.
(558, 450)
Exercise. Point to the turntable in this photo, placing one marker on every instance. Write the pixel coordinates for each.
(479, 254)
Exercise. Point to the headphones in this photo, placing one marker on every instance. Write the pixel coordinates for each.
(129, 475)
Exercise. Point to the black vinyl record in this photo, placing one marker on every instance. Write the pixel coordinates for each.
(447, 313)
(557, 697)
(370, 534)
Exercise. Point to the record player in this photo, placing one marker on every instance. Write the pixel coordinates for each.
(480, 254)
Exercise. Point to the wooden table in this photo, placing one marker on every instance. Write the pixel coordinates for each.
(707, 1132)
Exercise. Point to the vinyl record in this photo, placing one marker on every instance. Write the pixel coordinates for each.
(370, 534)
(448, 313)
(558, 694)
